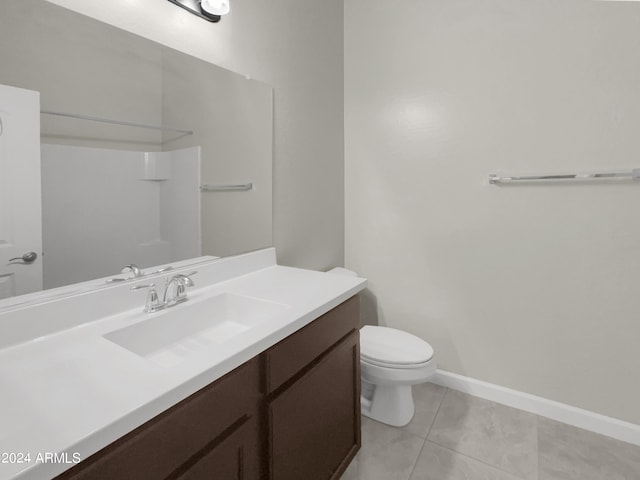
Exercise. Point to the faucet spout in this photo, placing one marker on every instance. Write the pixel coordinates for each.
(176, 289)
(175, 292)
(133, 268)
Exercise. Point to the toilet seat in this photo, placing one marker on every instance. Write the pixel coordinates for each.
(394, 365)
(392, 348)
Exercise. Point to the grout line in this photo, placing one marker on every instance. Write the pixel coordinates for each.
(478, 459)
(415, 463)
(446, 389)
(538, 443)
(455, 452)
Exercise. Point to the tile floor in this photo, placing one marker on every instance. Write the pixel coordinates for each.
(454, 436)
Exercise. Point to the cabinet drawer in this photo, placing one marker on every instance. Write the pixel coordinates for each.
(295, 352)
(163, 444)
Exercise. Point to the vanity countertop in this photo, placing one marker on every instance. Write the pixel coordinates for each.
(72, 391)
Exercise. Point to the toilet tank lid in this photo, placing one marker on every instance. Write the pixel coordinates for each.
(389, 345)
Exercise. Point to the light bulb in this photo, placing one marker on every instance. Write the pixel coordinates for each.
(215, 7)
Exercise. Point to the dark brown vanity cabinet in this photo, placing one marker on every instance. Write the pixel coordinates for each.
(234, 458)
(291, 413)
(313, 405)
(221, 420)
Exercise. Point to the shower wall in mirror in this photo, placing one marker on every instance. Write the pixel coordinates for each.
(127, 190)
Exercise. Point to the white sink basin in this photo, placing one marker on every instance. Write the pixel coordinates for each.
(169, 337)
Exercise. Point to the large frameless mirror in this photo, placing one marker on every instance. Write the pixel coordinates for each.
(115, 150)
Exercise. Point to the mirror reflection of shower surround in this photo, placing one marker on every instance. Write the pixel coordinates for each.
(131, 207)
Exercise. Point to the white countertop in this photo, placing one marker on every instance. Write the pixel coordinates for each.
(73, 391)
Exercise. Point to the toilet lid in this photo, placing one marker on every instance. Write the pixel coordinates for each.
(391, 346)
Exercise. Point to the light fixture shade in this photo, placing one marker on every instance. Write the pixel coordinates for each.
(215, 7)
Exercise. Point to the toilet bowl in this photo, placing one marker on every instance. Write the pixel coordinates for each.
(391, 362)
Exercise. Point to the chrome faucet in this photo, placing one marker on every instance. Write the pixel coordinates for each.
(134, 269)
(153, 303)
(175, 292)
(137, 273)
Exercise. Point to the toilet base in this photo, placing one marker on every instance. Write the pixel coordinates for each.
(392, 405)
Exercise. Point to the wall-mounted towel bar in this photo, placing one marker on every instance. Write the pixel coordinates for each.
(116, 122)
(225, 188)
(630, 174)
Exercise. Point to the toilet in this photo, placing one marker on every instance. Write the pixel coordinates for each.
(391, 362)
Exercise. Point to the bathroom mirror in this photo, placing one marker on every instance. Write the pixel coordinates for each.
(130, 131)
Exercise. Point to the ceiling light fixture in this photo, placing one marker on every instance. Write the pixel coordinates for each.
(215, 7)
(210, 10)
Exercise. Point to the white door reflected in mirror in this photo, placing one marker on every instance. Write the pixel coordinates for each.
(20, 204)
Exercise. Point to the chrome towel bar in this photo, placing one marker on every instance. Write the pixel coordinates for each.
(225, 188)
(630, 174)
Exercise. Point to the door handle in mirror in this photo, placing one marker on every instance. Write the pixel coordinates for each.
(27, 258)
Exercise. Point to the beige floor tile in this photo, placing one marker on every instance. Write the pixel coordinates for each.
(569, 453)
(352, 471)
(439, 463)
(500, 436)
(388, 453)
(475, 439)
(427, 398)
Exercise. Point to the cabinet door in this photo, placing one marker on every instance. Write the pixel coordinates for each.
(232, 459)
(164, 446)
(314, 425)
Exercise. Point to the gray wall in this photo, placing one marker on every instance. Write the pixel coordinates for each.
(533, 287)
(39, 50)
(233, 123)
(296, 46)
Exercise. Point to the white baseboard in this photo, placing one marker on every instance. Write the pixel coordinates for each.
(594, 422)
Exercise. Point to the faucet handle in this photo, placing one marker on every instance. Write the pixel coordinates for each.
(162, 270)
(140, 287)
(133, 268)
(187, 279)
(153, 303)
